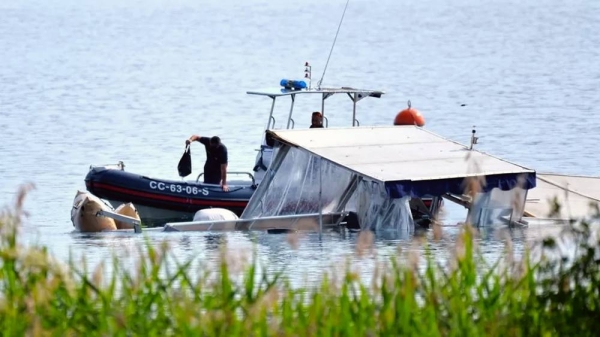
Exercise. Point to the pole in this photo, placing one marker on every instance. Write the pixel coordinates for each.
(291, 110)
(320, 197)
(354, 110)
(269, 126)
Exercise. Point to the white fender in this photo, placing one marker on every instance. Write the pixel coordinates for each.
(215, 214)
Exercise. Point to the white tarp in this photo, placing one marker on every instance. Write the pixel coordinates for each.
(488, 208)
(376, 210)
(294, 189)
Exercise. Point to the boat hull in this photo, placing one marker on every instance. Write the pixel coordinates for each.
(84, 214)
(161, 200)
(153, 216)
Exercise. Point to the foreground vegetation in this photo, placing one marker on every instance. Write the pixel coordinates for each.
(553, 296)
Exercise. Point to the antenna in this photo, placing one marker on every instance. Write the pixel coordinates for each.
(333, 45)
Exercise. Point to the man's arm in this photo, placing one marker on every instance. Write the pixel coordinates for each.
(223, 163)
(195, 138)
(223, 174)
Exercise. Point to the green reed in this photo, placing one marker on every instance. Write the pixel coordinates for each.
(552, 296)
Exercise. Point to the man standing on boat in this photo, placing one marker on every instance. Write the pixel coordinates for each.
(215, 168)
(317, 120)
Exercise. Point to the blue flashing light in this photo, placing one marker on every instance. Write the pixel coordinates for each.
(291, 84)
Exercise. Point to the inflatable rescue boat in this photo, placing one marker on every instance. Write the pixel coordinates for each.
(160, 200)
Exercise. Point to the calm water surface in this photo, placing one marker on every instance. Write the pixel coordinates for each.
(95, 82)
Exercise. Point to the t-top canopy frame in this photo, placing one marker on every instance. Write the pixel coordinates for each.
(355, 96)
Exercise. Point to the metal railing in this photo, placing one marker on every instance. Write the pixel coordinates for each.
(137, 224)
(234, 173)
(247, 224)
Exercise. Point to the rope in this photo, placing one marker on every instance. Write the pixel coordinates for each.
(333, 45)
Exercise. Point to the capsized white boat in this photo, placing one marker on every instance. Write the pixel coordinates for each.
(319, 177)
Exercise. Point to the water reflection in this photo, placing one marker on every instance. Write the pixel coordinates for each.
(304, 256)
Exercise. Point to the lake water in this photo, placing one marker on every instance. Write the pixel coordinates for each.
(95, 82)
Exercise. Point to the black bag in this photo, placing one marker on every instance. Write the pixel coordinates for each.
(185, 163)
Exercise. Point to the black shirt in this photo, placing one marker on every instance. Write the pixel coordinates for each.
(312, 127)
(214, 159)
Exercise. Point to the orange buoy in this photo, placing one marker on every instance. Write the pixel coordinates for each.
(409, 116)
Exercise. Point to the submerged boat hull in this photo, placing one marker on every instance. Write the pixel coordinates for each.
(153, 216)
(84, 214)
(160, 200)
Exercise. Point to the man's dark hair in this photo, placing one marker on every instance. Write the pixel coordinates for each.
(269, 139)
(215, 140)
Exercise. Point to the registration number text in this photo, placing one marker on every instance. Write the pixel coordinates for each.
(176, 188)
